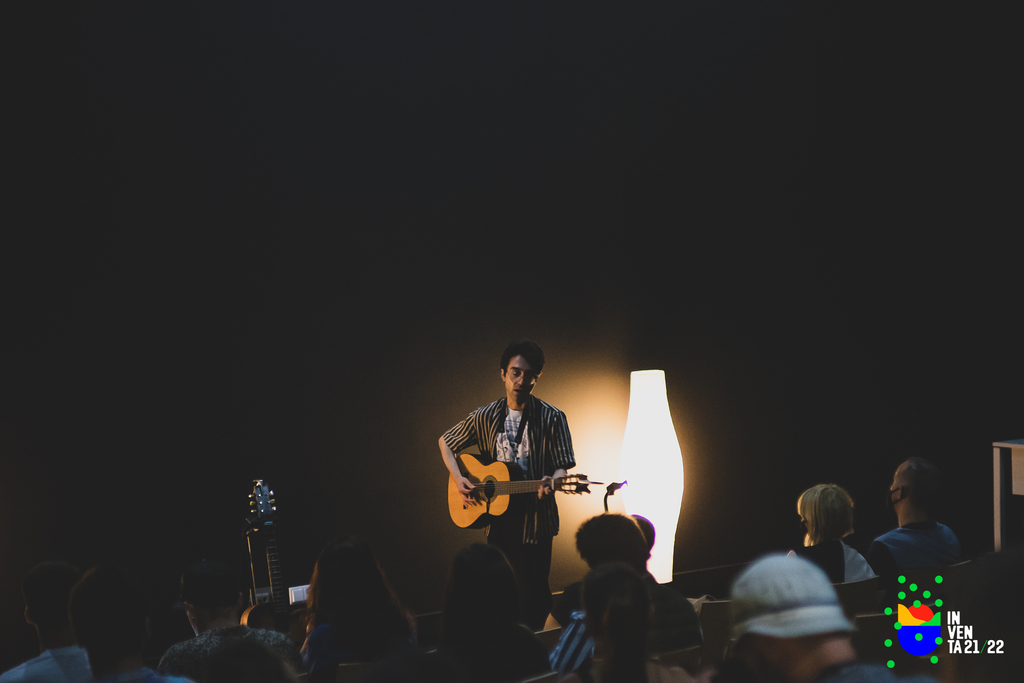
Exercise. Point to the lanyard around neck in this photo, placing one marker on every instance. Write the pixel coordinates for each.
(522, 425)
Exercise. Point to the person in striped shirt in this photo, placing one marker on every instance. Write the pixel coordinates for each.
(523, 430)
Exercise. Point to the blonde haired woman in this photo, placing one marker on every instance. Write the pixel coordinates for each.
(826, 511)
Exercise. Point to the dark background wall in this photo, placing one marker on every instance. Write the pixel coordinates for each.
(290, 240)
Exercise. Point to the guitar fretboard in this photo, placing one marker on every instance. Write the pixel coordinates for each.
(277, 593)
(505, 488)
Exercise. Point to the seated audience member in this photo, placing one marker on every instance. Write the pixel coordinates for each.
(826, 511)
(919, 541)
(46, 588)
(108, 616)
(618, 609)
(991, 601)
(209, 592)
(247, 661)
(616, 538)
(354, 616)
(790, 628)
(610, 537)
(481, 626)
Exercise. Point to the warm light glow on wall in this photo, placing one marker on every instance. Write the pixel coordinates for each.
(652, 463)
(594, 393)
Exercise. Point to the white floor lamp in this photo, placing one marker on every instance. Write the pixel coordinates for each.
(652, 466)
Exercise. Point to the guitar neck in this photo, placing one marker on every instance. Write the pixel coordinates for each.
(277, 593)
(506, 488)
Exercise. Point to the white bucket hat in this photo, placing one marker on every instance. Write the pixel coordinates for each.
(785, 597)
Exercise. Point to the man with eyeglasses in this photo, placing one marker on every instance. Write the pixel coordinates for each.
(525, 432)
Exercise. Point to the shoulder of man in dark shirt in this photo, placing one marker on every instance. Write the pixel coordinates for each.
(186, 658)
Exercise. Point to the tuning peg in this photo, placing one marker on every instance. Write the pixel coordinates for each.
(274, 508)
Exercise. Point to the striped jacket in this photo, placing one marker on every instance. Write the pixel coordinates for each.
(574, 646)
(550, 449)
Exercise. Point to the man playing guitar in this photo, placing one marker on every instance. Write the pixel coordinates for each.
(523, 431)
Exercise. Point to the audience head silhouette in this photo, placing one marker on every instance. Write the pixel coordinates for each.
(612, 537)
(46, 589)
(349, 593)
(480, 628)
(209, 591)
(481, 595)
(108, 614)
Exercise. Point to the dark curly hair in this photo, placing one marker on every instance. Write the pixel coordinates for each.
(612, 537)
(528, 350)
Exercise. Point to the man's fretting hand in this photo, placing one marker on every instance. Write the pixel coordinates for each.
(548, 484)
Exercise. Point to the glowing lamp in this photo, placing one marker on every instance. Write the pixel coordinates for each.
(652, 466)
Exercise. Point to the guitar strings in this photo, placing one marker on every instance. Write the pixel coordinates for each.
(502, 488)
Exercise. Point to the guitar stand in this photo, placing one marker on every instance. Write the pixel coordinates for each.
(250, 530)
(610, 491)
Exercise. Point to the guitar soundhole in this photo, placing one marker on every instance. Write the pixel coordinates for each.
(488, 488)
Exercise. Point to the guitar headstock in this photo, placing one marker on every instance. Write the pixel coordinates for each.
(575, 483)
(261, 502)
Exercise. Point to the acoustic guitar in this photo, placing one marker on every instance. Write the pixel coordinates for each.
(275, 614)
(494, 486)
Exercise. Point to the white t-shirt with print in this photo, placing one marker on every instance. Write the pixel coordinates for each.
(505, 447)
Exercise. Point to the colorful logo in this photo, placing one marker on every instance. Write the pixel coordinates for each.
(920, 629)
(918, 625)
